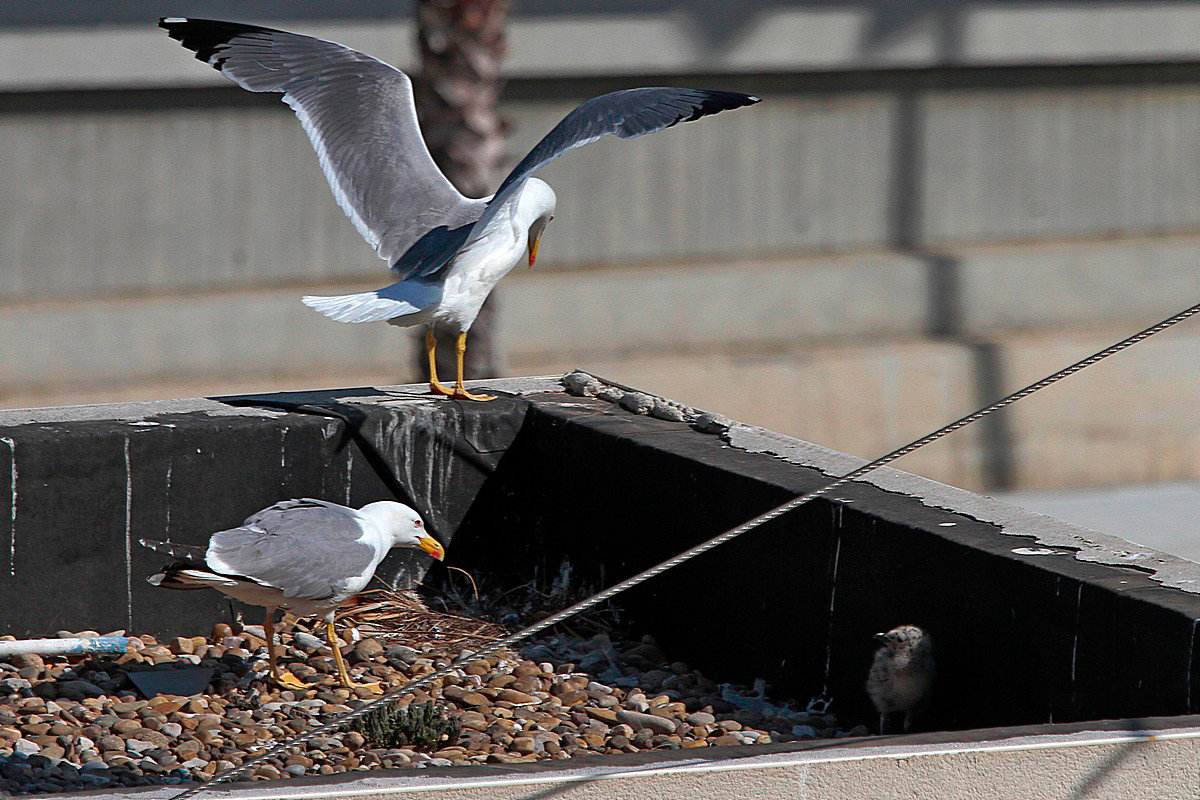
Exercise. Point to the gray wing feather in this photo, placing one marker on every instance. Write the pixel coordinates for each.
(306, 548)
(628, 114)
(358, 113)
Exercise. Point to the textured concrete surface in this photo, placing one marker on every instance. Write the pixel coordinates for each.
(1096, 766)
(568, 38)
(800, 173)
(1163, 516)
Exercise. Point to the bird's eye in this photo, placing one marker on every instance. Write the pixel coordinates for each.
(416, 523)
(551, 218)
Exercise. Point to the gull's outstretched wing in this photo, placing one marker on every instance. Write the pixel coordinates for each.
(628, 113)
(306, 548)
(359, 114)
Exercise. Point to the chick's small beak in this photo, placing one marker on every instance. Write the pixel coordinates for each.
(533, 250)
(880, 637)
(432, 546)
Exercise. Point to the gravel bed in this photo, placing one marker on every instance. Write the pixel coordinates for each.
(69, 724)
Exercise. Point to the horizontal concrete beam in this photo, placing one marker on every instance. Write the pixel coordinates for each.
(545, 315)
(1099, 765)
(1069, 284)
(564, 40)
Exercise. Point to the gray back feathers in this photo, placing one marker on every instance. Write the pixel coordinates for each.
(306, 548)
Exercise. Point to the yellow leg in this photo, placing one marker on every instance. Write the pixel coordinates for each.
(285, 679)
(343, 674)
(460, 391)
(435, 385)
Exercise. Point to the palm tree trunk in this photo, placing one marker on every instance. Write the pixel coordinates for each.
(462, 45)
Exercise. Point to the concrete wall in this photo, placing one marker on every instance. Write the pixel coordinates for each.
(881, 212)
(1096, 766)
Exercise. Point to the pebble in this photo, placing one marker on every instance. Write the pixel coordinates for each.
(638, 720)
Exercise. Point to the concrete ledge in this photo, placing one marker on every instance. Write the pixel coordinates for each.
(1105, 630)
(1136, 758)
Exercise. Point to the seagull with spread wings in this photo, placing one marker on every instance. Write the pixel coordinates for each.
(447, 250)
(305, 556)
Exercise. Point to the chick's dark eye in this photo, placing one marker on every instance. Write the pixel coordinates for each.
(551, 218)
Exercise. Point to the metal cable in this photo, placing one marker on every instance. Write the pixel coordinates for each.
(687, 555)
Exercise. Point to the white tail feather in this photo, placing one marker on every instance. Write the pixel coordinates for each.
(208, 578)
(398, 300)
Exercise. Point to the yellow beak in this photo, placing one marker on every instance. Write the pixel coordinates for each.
(533, 250)
(432, 546)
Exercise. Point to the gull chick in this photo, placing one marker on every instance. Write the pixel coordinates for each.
(901, 676)
(305, 556)
(446, 251)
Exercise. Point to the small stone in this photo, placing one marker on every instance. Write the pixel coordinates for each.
(84, 688)
(610, 393)
(581, 384)
(667, 411)
(636, 402)
(573, 698)
(524, 745)
(155, 738)
(368, 649)
(25, 747)
(637, 720)
(727, 739)
(402, 653)
(700, 718)
(602, 714)
(52, 751)
(295, 770)
(515, 697)
(472, 699)
(180, 645)
(26, 660)
(110, 742)
(473, 720)
(708, 422)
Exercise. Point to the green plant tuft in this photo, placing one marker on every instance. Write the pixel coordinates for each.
(421, 727)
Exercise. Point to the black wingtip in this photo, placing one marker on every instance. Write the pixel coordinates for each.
(718, 100)
(205, 37)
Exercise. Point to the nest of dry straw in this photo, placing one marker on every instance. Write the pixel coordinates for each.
(401, 615)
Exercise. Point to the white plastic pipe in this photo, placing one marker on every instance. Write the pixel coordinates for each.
(65, 647)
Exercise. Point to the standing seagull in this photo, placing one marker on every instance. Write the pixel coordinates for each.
(448, 251)
(901, 676)
(305, 556)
